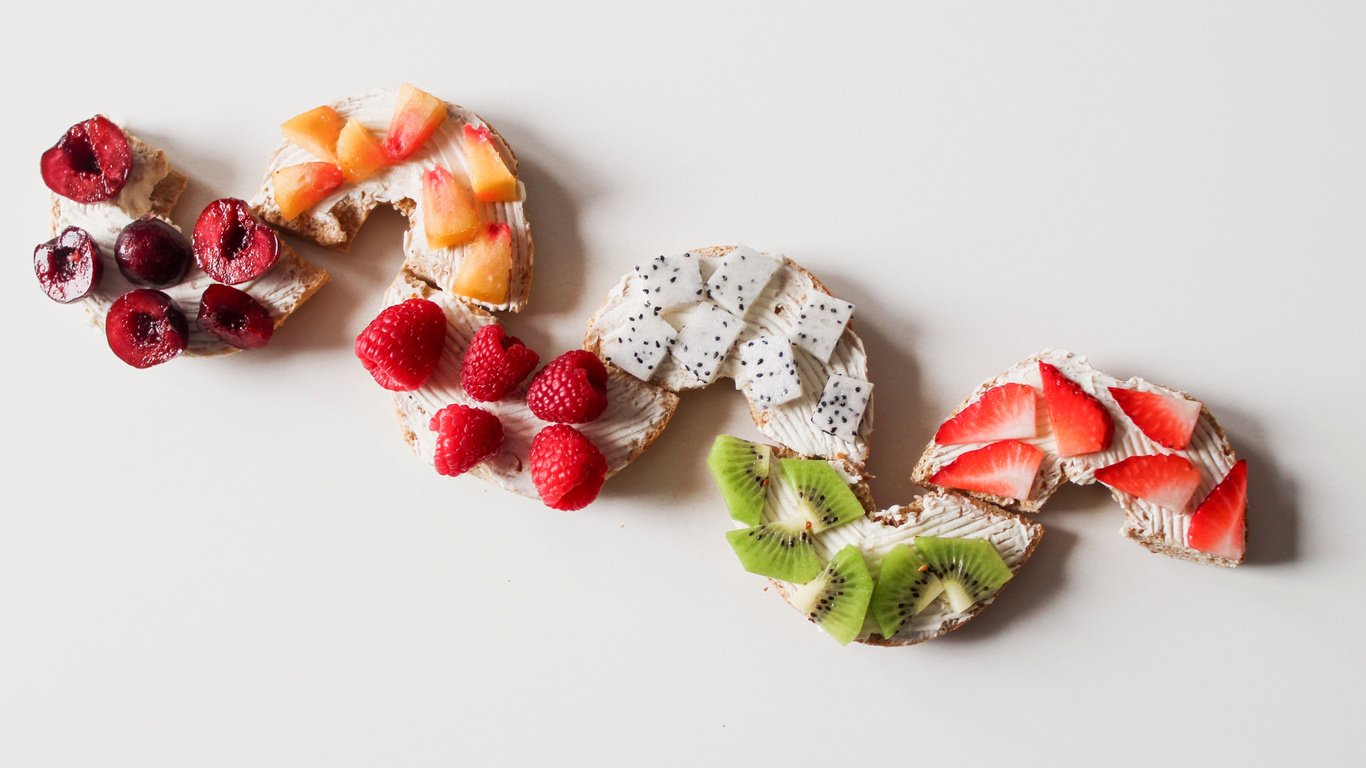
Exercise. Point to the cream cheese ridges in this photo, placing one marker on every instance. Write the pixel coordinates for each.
(281, 289)
(401, 186)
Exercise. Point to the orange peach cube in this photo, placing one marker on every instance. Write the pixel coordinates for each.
(489, 175)
(358, 153)
(316, 131)
(448, 211)
(487, 268)
(300, 187)
(416, 117)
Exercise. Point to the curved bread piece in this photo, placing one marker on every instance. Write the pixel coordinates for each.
(1159, 529)
(153, 187)
(636, 413)
(774, 312)
(335, 221)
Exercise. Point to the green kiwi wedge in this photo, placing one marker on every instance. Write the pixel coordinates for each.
(740, 469)
(837, 598)
(783, 550)
(826, 498)
(905, 587)
(971, 570)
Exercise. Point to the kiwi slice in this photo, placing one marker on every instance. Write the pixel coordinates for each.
(837, 598)
(782, 550)
(970, 569)
(740, 469)
(826, 499)
(905, 587)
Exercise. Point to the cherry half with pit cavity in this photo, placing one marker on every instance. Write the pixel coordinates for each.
(235, 318)
(231, 245)
(145, 328)
(68, 265)
(90, 163)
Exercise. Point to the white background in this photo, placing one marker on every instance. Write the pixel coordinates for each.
(237, 562)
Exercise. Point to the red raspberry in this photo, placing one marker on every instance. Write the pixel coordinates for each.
(401, 347)
(495, 364)
(566, 467)
(465, 436)
(571, 389)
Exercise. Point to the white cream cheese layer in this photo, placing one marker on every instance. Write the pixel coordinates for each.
(401, 186)
(280, 290)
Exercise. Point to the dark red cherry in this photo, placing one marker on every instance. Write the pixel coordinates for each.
(145, 328)
(231, 245)
(68, 265)
(151, 252)
(234, 317)
(90, 163)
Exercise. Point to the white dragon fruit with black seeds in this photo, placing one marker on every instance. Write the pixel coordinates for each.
(768, 371)
(820, 324)
(840, 409)
(639, 345)
(706, 334)
(665, 282)
(741, 278)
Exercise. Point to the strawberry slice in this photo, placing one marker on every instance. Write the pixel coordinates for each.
(1166, 420)
(1080, 423)
(1165, 480)
(1219, 524)
(1004, 469)
(1003, 413)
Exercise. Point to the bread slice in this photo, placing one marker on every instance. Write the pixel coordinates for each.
(154, 187)
(334, 222)
(1159, 529)
(774, 312)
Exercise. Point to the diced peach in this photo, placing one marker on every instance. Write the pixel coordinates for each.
(489, 175)
(448, 211)
(300, 187)
(316, 131)
(417, 115)
(487, 269)
(358, 153)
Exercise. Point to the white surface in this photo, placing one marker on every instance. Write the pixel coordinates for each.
(236, 562)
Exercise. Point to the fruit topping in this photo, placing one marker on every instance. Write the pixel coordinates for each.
(145, 328)
(768, 370)
(840, 410)
(1004, 469)
(316, 131)
(449, 216)
(402, 346)
(150, 251)
(300, 187)
(566, 467)
(1081, 424)
(905, 587)
(783, 550)
(1167, 481)
(705, 339)
(971, 570)
(489, 175)
(820, 325)
(1006, 412)
(1219, 525)
(571, 389)
(486, 270)
(741, 278)
(640, 345)
(465, 436)
(495, 364)
(235, 318)
(837, 599)
(90, 163)
(825, 498)
(417, 115)
(1167, 420)
(68, 266)
(359, 153)
(740, 469)
(665, 282)
(231, 245)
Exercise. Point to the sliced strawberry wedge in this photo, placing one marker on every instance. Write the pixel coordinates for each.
(1166, 420)
(1167, 481)
(1003, 413)
(1004, 469)
(1080, 423)
(1219, 525)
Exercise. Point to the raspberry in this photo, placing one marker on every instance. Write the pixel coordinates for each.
(571, 389)
(566, 467)
(401, 347)
(495, 364)
(465, 436)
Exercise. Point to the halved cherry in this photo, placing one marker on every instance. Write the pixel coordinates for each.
(234, 317)
(145, 328)
(69, 265)
(90, 163)
(231, 245)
